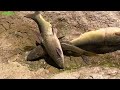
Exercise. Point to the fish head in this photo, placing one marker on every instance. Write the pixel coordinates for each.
(44, 26)
(113, 37)
(59, 57)
(116, 37)
(32, 16)
(60, 62)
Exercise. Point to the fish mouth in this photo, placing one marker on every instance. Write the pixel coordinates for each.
(60, 62)
(32, 15)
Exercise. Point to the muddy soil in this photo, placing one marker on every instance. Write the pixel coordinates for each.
(18, 37)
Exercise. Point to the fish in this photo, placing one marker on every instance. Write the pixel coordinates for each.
(68, 50)
(49, 38)
(36, 53)
(101, 41)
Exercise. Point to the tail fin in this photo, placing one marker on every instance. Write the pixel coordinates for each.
(32, 16)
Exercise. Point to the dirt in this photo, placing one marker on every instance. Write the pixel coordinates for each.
(18, 37)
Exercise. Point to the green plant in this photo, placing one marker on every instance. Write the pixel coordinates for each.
(8, 13)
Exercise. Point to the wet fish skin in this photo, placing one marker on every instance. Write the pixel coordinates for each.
(36, 53)
(74, 50)
(49, 38)
(68, 49)
(103, 40)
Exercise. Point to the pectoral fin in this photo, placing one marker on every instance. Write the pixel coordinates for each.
(37, 52)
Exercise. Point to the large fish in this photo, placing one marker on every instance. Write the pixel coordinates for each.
(68, 49)
(49, 38)
(101, 41)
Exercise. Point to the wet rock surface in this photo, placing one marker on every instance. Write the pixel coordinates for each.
(18, 36)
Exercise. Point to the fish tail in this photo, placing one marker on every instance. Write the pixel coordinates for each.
(32, 16)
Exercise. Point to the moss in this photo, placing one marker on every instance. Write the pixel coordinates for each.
(35, 65)
(7, 13)
(74, 64)
(106, 60)
(109, 64)
(110, 61)
(107, 57)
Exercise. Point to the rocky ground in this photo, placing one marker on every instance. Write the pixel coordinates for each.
(18, 36)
